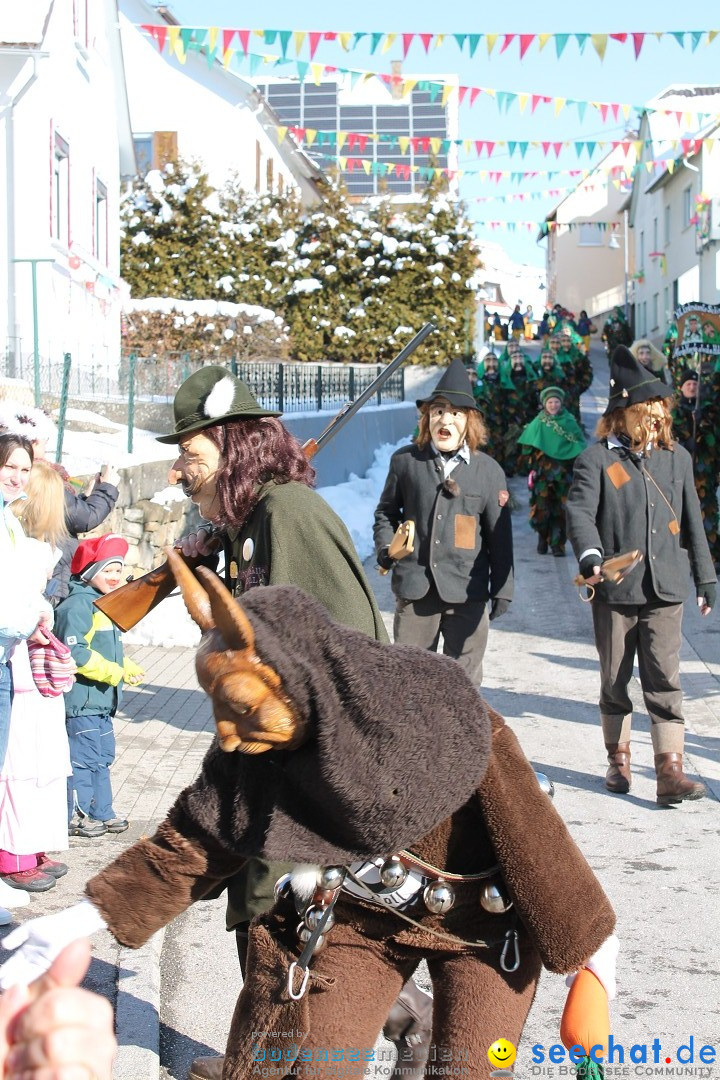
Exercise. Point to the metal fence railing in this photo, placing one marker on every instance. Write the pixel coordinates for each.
(289, 388)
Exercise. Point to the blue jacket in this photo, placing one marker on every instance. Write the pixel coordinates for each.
(97, 650)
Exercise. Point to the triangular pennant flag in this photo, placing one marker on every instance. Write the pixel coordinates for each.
(600, 44)
(460, 38)
(712, 34)
(523, 147)
(268, 36)
(341, 139)
(310, 135)
(255, 62)
(213, 34)
(435, 145)
(543, 40)
(389, 42)
(590, 146)
(695, 38)
(302, 69)
(526, 41)
(535, 101)
(602, 109)
(426, 39)
(227, 39)
(375, 40)
(474, 94)
(709, 145)
(243, 38)
(473, 42)
(512, 146)
(281, 133)
(639, 147)
(581, 40)
(403, 143)
(447, 91)
(408, 86)
(285, 39)
(545, 148)
(561, 41)
(439, 39)
(622, 38)
(462, 91)
(638, 40)
(581, 107)
(316, 71)
(490, 40)
(679, 36)
(522, 101)
(670, 165)
(366, 165)
(490, 147)
(557, 147)
(507, 38)
(299, 40)
(314, 39)
(559, 105)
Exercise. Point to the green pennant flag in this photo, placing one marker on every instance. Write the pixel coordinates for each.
(696, 38)
(357, 38)
(581, 39)
(581, 107)
(302, 69)
(285, 39)
(255, 62)
(590, 146)
(473, 42)
(460, 38)
(434, 89)
(511, 148)
(187, 37)
(375, 40)
(446, 144)
(561, 41)
(516, 177)
(210, 55)
(679, 36)
(510, 99)
(500, 99)
(355, 77)
(523, 148)
(270, 36)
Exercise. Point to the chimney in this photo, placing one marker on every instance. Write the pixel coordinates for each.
(396, 86)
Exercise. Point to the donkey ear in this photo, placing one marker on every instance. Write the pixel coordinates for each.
(230, 619)
(196, 599)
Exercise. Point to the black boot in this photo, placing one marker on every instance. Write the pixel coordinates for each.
(542, 546)
(409, 1027)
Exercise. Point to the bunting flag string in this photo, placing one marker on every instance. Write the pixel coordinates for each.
(382, 42)
(180, 41)
(427, 144)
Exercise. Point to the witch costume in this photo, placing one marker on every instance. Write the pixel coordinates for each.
(552, 443)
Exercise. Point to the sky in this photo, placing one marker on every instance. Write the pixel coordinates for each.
(619, 78)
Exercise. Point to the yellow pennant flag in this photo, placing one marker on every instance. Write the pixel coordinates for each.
(345, 37)
(710, 145)
(466, 145)
(489, 90)
(367, 165)
(447, 91)
(342, 163)
(212, 38)
(227, 57)
(543, 40)
(483, 175)
(175, 42)
(316, 70)
(281, 133)
(490, 40)
(341, 139)
(435, 145)
(408, 86)
(649, 165)
(298, 40)
(600, 44)
(670, 165)
(625, 110)
(639, 147)
(390, 166)
(367, 75)
(259, 33)
(310, 135)
(712, 34)
(403, 143)
(522, 101)
(689, 119)
(559, 105)
(388, 43)
(439, 39)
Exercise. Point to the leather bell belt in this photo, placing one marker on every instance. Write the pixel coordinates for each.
(398, 880)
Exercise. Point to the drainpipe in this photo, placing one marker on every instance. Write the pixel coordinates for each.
(7, 106)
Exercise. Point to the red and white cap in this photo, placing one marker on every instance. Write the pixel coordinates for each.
(94, 554)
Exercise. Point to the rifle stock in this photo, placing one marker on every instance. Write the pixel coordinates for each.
(130, 603)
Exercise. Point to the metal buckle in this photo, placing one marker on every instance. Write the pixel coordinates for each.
(303, 984)
(511, 943)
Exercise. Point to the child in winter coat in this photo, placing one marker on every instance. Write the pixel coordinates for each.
(101, 669)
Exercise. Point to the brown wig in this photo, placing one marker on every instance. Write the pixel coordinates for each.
(634, 424)
(42, 513)
(253, 452)
(9, 443)
(475, 435)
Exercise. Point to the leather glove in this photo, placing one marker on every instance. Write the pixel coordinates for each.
(132, 673)
(588, 564)
(708, 593)
(384, 560)
(602, 964)
(498, 608)
(38, 941)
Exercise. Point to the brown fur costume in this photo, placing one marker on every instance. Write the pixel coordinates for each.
(372, 778)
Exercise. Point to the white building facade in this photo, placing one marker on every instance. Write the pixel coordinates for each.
(65, 141)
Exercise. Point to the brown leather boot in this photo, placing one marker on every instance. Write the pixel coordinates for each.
(617, 778)
(673, 786)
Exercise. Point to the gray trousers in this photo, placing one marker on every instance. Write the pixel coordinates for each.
(654, 632)
(464, 628)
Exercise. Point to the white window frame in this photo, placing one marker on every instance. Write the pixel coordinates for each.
(60, 194)
(101, 246)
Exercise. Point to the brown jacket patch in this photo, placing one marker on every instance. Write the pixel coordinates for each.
(465, 531)
(618, 474)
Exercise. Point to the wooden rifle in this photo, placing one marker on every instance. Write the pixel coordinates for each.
(130, 603)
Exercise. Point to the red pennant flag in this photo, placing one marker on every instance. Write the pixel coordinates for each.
(526, 41)
(462, 91)
(329, 35)
(473, 94)
(603, 111)
(314, 39)
(426, 39)
(159, 33)
(615, 108)
(535, 101)
(362, 142)
(478, 147)
(619, 37)
(489, 146)
(557, 147)
(228, 36)
(638, 40)
(507, 38)
(407, 42)
(244, 36)
(546, 147)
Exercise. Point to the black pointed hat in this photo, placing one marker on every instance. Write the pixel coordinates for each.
(454, 386)
(631, 383)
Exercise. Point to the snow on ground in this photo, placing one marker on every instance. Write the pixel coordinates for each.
(354, 502)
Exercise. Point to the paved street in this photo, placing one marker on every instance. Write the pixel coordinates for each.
(660, 867)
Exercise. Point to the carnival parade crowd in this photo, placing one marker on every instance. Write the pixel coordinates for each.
(282, 676)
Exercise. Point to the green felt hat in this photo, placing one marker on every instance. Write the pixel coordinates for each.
(551, 391)
(212, 395)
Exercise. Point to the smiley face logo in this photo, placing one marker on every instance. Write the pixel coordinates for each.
(501, 1054)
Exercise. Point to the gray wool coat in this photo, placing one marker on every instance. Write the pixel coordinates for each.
(619, 501)
(463, 542)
